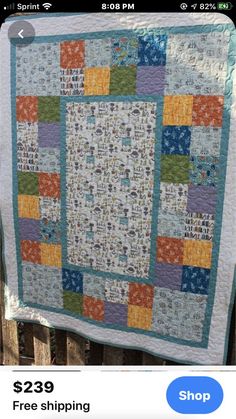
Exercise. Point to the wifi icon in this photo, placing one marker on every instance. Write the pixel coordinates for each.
(47, 5)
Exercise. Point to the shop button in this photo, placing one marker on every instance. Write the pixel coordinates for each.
(191, 395)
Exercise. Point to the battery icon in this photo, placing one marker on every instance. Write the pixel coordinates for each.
(224, 6)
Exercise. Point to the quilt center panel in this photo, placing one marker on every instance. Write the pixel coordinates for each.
(109, 185)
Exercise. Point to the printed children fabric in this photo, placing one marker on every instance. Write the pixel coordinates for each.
(117, 181)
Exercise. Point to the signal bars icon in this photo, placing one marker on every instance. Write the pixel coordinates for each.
(9, 7)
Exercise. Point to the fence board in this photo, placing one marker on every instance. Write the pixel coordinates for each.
(149, 359)
(75, 349)
(95, 353)
(231, 360)
(132, 357)
(113, 356)
(28, 340)
(42, 347)
(60, 349)
(10, 342)
(1, 348)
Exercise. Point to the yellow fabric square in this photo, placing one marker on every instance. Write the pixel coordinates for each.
(28, 206)
(197, 253)
(178, 110)
(96, 81)
(50, 254)
(139, 317)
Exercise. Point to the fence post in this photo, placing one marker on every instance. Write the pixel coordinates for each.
(61, 349)
(10, 343)
(75, 349)
(29, 341)
(96, 353)
(42, 347)
(132, 357)
(113, 356)
(149, 359)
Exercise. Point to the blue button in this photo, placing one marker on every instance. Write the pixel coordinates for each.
(190, 395)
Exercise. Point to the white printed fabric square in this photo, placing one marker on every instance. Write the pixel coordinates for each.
(205, 141)
(27, 147)
(38, 70)
(50, 209)
(117, 291)
(179, 314)
(72, 82)
(196, 64)
(171, 225)
(109, 184)
(42, 285)
(94, 286)
(199, 226)
(98, 52)
(173, 198)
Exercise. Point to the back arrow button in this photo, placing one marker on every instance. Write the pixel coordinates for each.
(20, 34)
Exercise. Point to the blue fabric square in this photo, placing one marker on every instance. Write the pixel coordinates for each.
(176, 140)
(152, 50)
(72, 280)
(50, 231)
(204, 170)
(195, 280)
(124, 51)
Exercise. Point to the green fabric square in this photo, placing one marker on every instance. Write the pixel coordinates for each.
(28, 183)
(175, 168)
(49, 109)
(73, 301)
(123, 80)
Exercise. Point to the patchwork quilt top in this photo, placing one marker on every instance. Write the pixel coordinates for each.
(119, 161)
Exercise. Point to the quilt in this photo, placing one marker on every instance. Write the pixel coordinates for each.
(117, 180)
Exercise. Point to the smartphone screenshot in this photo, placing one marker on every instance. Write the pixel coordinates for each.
(117, 209)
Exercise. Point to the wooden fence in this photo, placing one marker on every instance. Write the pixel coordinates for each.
(31, 344)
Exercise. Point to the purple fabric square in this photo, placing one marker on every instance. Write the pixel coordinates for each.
(29, 229)
(150, 80)
(201, 199)
(168, 276)
(116, 313)
(49, 135)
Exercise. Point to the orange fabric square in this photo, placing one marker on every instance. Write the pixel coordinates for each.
(49, 185)
(139, 317)
(27, 109)
(28, 206)
(197, 253)
(72, 54)
(208, 110)
(30, 251)
(170, 250)
(93, 308)
(141, 294)
(96, 81)
(50, 254)
(178, 110)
